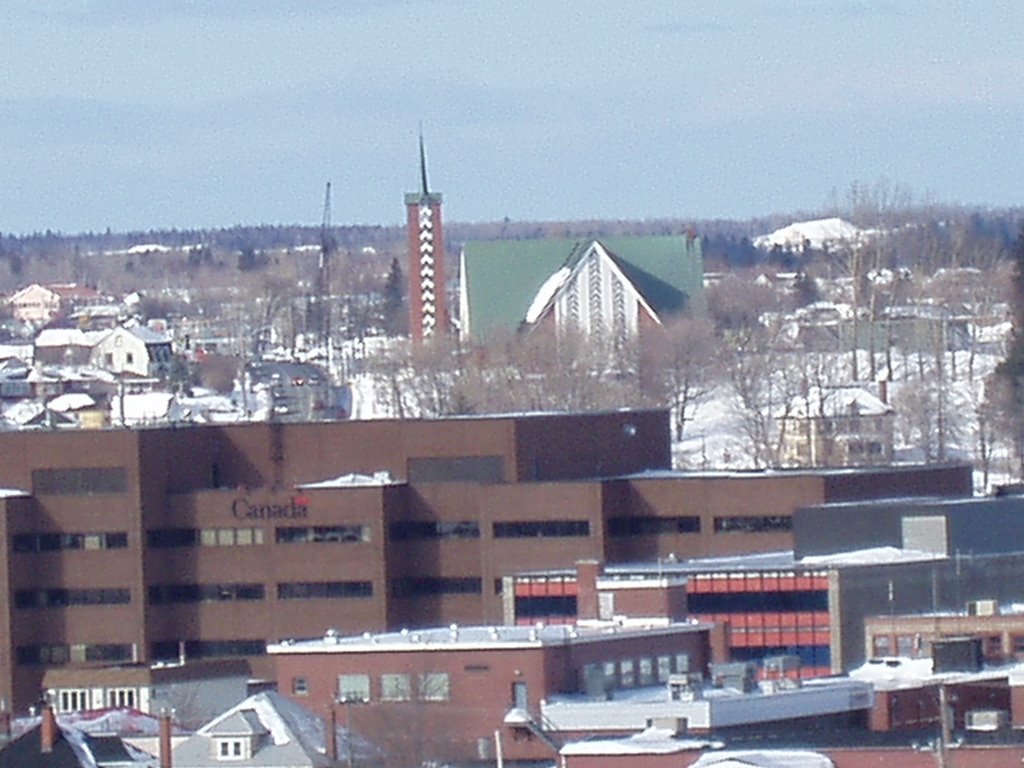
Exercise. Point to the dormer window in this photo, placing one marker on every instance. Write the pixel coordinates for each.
(232, 749)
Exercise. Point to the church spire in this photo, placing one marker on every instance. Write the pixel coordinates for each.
(423, 165)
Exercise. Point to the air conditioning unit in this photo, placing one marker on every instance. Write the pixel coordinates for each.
(982, 608)
(986, 720)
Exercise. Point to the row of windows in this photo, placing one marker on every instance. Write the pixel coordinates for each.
(164, 538)
(545, 606)
(167, 650)
(407, 530)
(206, 593)
(429, 686)
(321, 534)
(160, 594)
(526, 529)
(78, 699)
(754, 524)
(758, 602)
(302, 590)
(652, 526)
(809, 655)
(629, 673)
(33, 655)
(451, 585)
(54, 542)
(61, 598)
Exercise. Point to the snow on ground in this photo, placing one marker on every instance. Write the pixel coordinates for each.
(818, 233)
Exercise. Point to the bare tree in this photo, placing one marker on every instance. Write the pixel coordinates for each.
(680, 366)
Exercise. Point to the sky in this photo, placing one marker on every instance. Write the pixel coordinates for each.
(135, 115)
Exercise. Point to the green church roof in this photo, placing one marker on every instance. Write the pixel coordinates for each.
(501, 277)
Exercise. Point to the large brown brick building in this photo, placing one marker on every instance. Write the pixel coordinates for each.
(135, 546)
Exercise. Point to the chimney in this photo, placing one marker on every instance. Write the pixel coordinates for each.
(331, 736)
(587, 573)
(165, 739)
(48, 730)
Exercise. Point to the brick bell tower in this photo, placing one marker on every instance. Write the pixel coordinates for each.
(428, 300)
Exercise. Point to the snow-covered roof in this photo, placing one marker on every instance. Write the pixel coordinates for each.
(546, 292)
(67, 337)
(818, 233)
(15, 351)
(143, 407)
(148, 335)
(832, 402)
(352, 480)
(23, 411)
(871, 556)
(456, 637)
(763, 758)
(888, 673)
(296, 735)
(651, 741)
(72, 401)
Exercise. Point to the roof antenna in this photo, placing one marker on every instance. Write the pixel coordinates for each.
(423, 163)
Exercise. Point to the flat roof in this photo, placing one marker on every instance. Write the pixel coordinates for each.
(782, 560)
(457, 638)
(878, 469)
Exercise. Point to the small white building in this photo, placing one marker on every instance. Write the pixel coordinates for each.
(135, 351)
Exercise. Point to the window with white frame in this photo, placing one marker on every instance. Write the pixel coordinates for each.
(394, 687)
(73, 700)
(353, 687)
(231, 749)
(435, 686)
(121, 698)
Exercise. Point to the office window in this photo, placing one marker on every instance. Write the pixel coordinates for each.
(627, 676)
(166, 650)
(652, 526)
(160, 594)
(435, 686)
(526, 529)
(353, 687)
(753, 524)
(321, 534)
(55, 542)
(411, 530)
(664, 668)
(645, 668)
(62, 598)
(306, 590)
(395, 687)
(906, 646)
(881, 645)
(164, 538)
(682, 662)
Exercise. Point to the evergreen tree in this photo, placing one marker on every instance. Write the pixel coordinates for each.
(393, 310)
